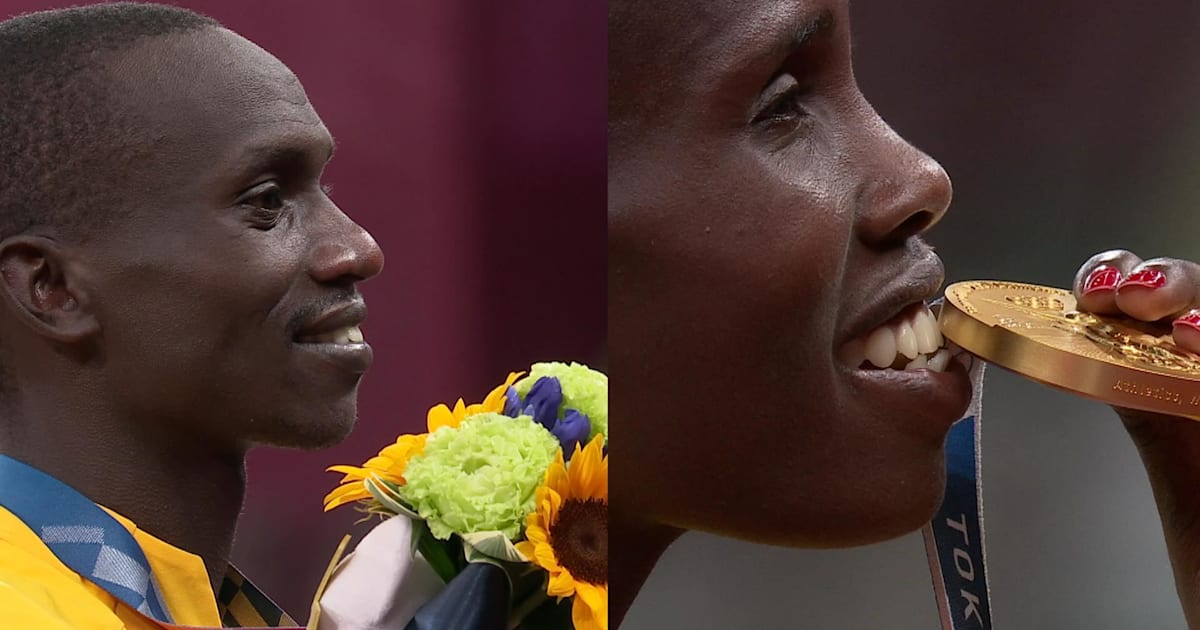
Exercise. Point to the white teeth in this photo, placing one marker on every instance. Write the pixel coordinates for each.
(342, 336)
(917, 363)
(914, 343)
(939, 360)
(906, 340)
(926, 331)
(881, 347)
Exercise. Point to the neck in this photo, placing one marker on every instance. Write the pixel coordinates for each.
(632, 561)
(168, 484)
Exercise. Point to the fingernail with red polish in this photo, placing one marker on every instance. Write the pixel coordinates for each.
(1191, 318)
(1102, 278)
(1150, 278)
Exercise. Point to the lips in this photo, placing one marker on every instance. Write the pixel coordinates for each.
(896, 324)
(339, 325)
(344, 335)
(910, 341)
(893, 353)
(333, 338)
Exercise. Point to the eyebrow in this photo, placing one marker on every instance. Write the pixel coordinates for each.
(809, 28)
(777, 39)
(293, 151)
(801, 33)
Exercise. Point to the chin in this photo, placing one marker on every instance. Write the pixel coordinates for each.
(309, 431)
(893, 519)
(899, 505)
(839, 515)
(842, 531)
(896, 510)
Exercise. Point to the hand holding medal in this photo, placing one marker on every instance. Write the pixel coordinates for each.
(1127, 334)
(1106, 340)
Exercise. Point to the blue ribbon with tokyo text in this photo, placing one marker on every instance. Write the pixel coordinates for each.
(954, 538)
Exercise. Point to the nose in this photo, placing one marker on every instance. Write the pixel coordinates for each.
(344, 253)
(906, 191)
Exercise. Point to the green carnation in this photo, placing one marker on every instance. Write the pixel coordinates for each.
(481, 476)
(583, 388)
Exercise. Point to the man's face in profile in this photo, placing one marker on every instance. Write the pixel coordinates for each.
(226, 297)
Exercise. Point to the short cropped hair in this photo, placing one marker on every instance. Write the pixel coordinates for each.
(66, 145)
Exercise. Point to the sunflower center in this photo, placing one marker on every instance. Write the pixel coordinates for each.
(580, 539)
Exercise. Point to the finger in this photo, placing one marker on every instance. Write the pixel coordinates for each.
(1186, 331)
(1097, 280)
(1159, 288)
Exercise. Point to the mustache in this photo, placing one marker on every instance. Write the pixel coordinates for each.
(311, 311)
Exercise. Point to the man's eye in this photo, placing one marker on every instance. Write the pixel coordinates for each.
(266, 204)
(782, 102)
(785, 107)
(266, 197)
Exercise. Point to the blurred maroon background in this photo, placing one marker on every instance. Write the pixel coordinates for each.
(471, 143)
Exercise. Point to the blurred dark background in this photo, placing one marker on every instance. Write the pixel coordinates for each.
(1068, 127)
(471, 143)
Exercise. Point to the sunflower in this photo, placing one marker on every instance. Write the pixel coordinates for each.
(389, 465)
(568, 533)
(442, 416)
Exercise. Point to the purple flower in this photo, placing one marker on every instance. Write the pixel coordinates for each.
(572, 429)
(542, 403)
(512, 402)
(543, 400)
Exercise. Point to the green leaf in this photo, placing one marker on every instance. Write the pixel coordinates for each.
(439, 554)
(389, 497)
(485, 546)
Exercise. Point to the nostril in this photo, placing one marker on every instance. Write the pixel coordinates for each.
(911, 226)
(915, 224)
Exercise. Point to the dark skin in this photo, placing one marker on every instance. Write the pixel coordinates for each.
(148, 357)
(761, 215)
(1169, 446)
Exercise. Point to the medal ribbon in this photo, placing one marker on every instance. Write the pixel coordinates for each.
(954, 538)
(92, 543)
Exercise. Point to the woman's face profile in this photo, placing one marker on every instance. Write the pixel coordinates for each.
(763, 221)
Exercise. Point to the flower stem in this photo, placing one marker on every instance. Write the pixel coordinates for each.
(436, 555)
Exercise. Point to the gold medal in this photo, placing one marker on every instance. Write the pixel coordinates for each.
(1035, 331)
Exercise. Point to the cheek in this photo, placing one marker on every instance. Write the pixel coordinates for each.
(742, 266)
(191, 314)
(722, 307)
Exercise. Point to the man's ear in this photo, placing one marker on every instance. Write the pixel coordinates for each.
(37, 289)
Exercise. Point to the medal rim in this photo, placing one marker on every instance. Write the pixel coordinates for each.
(1113, 383)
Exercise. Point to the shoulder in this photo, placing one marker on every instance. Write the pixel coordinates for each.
(38, 591)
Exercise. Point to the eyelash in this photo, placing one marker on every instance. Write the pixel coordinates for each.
(266, 218)
(784, 108)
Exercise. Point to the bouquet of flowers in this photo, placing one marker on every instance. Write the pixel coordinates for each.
(518, 481)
